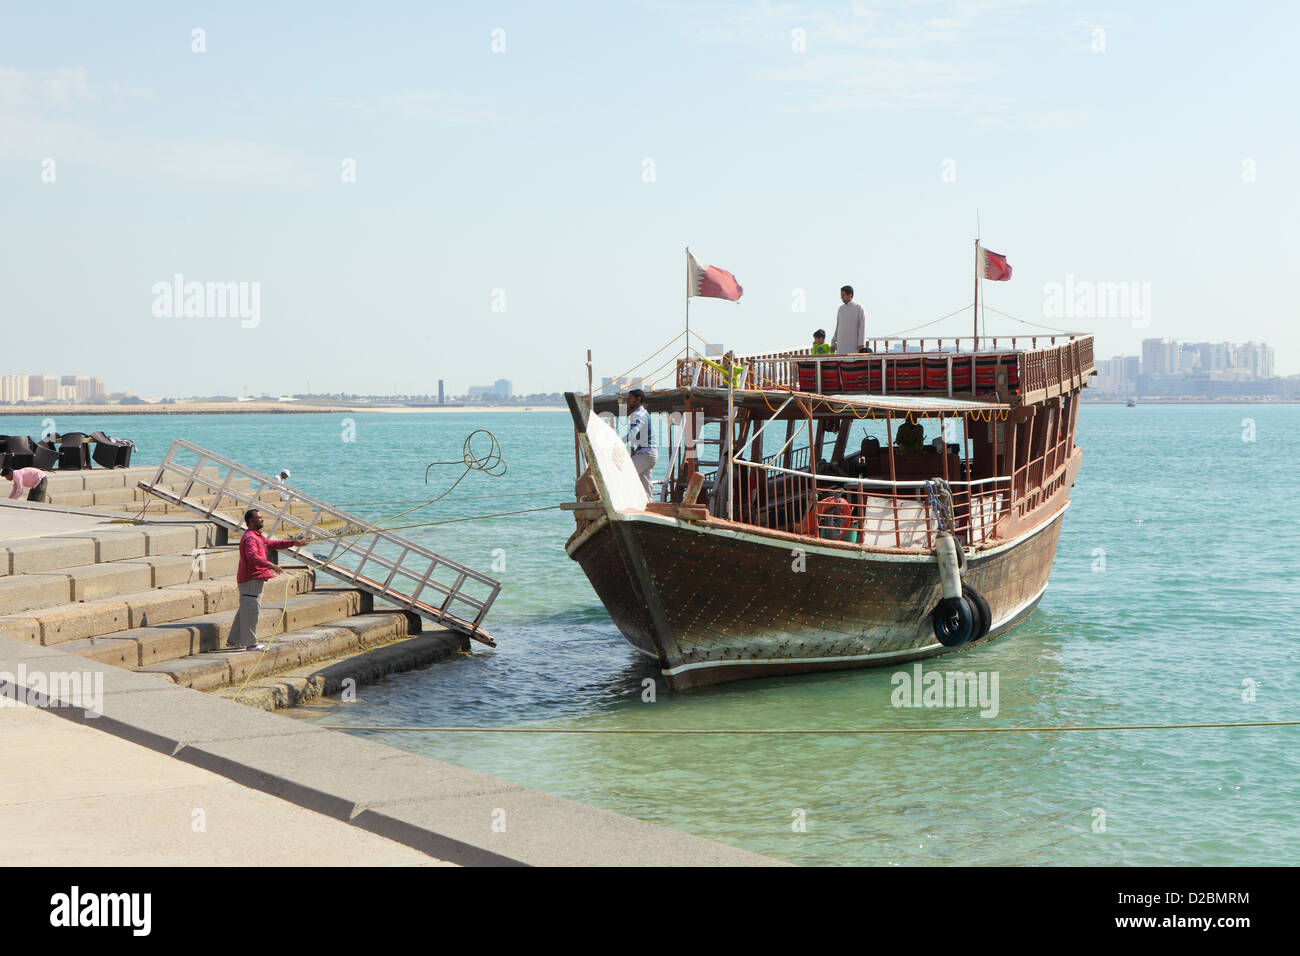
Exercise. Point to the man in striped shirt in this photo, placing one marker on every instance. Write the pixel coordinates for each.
(32, 478)
(641, 438)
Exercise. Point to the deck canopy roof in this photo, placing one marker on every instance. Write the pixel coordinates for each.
(766, 402)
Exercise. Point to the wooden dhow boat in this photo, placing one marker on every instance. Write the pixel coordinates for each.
(823, 512)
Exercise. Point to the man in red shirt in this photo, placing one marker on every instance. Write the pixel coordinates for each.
(254, 571)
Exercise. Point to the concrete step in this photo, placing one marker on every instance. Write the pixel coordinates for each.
(121, 497)
(302, 647)
(94, 582)
(177, 650)
(156, 645)
(111, 542)
(94, 479)
(267, 500)
(38, 570)
(367, 664)
(78, 628)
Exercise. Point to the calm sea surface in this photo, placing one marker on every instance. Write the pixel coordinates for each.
(1173, 600)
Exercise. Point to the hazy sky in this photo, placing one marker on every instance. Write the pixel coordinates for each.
(553, 160)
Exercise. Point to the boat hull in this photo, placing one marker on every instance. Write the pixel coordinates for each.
(714, 604)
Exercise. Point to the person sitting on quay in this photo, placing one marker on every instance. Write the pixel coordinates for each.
(820, 345)
(32, 478)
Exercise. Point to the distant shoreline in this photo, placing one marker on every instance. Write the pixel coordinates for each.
(260, 408)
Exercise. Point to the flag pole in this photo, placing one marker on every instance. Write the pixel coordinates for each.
(688, 303)
(975, 342)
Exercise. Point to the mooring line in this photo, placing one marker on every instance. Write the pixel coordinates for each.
(831, 731)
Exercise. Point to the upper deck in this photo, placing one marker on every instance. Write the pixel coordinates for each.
(1017, 369)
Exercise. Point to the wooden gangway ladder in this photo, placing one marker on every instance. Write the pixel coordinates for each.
(361, 554)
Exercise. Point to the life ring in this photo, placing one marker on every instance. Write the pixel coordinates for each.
(954, 621)
(832, 508)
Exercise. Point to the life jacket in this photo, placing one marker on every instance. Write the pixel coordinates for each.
(819, 522)
(823, 348)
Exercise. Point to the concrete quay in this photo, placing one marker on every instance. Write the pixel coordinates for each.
(72, 796)
(125, 609)
(445, 812)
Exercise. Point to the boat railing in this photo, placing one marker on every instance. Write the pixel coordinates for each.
(1033, 367)
(867, 512)
(1042, 475)
(799, 457)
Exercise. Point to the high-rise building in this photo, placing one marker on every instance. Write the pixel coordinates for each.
(1132, 367)
(97, 388)
(13, 388)
(1154, 357)
(503, 387)
(82, 385)
(1250, 359)
(440, 393)
(1171, 356)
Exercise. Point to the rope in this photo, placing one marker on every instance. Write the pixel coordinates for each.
(493, 463)
(941, 503)
(1069, 728)
(924, 325)
(1034, 324)
(649, 357)
(430, 524)
(407, 501)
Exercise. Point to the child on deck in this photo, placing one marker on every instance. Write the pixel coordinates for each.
(819, 343)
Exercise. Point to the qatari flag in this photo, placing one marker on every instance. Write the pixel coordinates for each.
(994, 266)
(710, 281)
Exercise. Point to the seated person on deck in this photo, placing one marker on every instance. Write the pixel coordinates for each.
(910, 438)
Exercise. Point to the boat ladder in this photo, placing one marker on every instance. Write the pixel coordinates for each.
(360, 554)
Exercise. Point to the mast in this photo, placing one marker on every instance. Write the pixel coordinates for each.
(689, 276)
(975, 342)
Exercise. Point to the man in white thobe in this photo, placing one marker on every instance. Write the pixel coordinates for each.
(850, 325)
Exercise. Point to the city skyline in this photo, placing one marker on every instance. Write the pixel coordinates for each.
(22, 387)
(353, 198)
(1208, 369)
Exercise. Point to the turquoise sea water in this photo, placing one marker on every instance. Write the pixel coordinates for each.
(1174, 585)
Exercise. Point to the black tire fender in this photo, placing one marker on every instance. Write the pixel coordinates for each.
(953, 621)
(980, 607)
